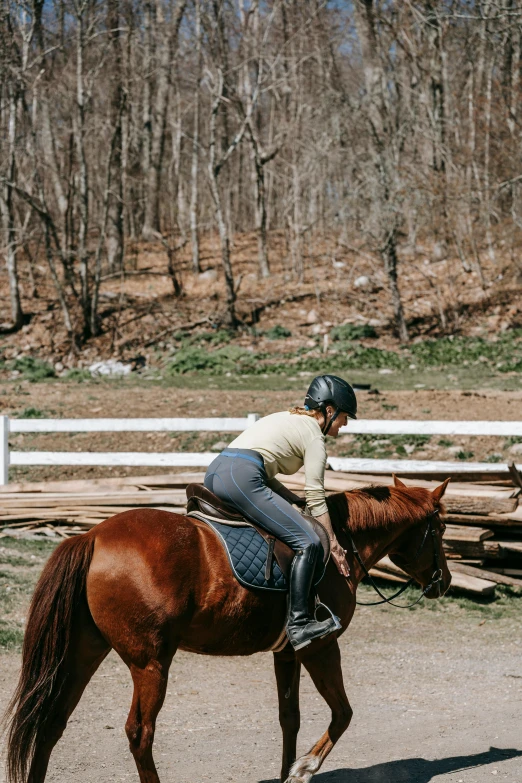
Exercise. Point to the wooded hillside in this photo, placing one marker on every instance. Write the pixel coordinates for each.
(368, 126)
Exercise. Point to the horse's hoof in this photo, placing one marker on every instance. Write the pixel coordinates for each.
(303, 769)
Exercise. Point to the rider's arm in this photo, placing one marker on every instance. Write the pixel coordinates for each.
(336, 550)
(315, 464)
(314, 467)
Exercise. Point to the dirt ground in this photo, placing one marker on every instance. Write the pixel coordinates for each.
(437, 695)
(113, 399)
(116, 399)
(437, 691)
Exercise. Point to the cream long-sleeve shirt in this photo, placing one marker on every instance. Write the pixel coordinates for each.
(287, 441)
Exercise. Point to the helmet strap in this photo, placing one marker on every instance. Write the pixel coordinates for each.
(329, 424)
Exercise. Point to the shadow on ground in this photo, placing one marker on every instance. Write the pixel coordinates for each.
(415, 770)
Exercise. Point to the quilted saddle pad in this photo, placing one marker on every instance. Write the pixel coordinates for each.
(247, 552)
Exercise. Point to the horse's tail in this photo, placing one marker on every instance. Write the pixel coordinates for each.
(46, 645)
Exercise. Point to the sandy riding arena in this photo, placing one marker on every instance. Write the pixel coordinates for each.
(436, 691)
(437, 695)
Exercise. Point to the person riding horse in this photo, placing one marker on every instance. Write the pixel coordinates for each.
(243, 475)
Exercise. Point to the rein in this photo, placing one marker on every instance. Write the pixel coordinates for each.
(435, 579)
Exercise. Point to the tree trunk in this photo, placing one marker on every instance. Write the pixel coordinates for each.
(56, 280)
(261, 219)
(83, 195)
(114, 230)
(194, 169)
(146, 140)
(224, 239)
(179, 205)
(389, 257)
(151, 223)
(113, 150)
(23, 224)
(381, 146)
(214, 169)
(194, 192)
(17, 315)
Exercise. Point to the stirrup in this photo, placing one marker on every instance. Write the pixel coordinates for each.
(330, 625)
(333, 616)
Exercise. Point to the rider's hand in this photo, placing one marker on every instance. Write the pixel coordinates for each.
(339, 557)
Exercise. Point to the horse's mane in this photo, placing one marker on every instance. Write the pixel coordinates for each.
(377, 507)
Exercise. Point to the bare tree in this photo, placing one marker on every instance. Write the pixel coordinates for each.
(166, 33)
(366, 123)
(12, 66)
(220, 150)
(81, 10)
(114, 232)
(384, 151)
(8, 213)
(194, 168)
(215, 167)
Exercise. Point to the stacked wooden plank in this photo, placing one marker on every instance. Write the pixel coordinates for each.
(483, 540)
(71, 507)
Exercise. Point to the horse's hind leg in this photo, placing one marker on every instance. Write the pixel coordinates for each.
(87, 653)
(287, 671)
(150, 685)
(324, 668)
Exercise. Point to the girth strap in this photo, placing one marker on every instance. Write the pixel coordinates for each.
(269, 558)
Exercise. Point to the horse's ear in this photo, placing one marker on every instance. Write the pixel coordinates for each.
(398, 483)
(439, 491)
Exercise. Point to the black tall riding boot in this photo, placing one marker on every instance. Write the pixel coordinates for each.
(302, 628)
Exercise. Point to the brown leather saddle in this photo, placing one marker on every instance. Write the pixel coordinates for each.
(203, 501)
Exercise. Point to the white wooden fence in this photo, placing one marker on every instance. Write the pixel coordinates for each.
(191, 459)
(132, 458)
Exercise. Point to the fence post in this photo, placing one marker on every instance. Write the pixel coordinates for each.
(252, 418)
(4, 449)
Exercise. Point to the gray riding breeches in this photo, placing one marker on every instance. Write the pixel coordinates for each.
(238, 477)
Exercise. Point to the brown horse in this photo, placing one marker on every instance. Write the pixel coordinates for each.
(148, 582)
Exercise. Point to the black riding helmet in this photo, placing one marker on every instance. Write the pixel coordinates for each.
(331, 390)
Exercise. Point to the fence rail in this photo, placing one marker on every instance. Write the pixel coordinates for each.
(412, 427)
(142, 459)
(110, 458)
(132, 425)
(191, 459)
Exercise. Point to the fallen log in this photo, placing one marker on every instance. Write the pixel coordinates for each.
(121, 498)
(459, 581)
(516, 572)
(100, 484)
(388, 575)
(483, 520)
(488, 574)
(461, 533)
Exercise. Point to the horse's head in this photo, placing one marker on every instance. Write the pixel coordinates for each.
(419, 551)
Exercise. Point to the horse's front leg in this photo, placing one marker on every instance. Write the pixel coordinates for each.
(324, 668)
(287, 672)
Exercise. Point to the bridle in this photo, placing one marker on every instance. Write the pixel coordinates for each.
(436, 578)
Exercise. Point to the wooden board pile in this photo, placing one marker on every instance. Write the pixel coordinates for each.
(483, 540)
(71, 507)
